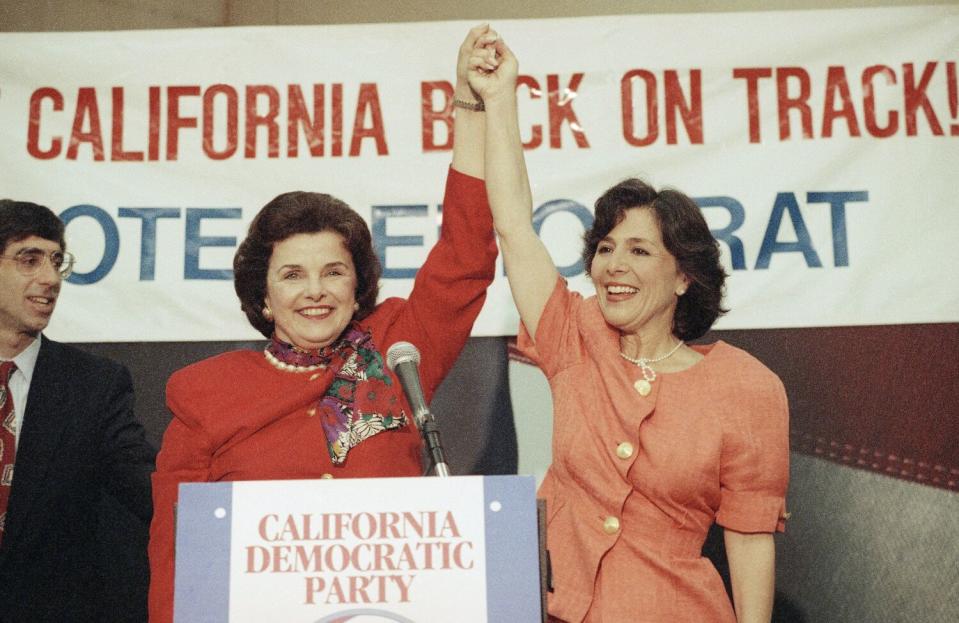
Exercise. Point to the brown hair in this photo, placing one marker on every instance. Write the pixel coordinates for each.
(686, 237)
(302, 213)
(22, 219)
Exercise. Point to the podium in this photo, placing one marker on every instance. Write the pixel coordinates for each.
(372, 550)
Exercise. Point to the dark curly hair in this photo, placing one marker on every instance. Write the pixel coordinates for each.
(22, 219)
(302, 213)
(687, 238)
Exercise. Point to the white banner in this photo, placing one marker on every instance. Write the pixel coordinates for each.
(822, 145)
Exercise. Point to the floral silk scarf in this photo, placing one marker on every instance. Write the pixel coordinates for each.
(361, 401)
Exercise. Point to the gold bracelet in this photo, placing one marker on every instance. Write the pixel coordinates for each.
(474, 106)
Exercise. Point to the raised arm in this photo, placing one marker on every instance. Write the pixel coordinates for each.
(532, 274)
(469, 126)
(450, 288)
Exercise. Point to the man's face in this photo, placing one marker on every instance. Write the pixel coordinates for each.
(27, 301)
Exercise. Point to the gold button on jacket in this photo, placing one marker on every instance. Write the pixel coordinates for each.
(611, 525)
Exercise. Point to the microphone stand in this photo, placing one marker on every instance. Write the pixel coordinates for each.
(434, 447)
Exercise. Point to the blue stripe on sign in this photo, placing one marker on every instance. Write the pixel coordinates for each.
(204, 517)
(512, 549)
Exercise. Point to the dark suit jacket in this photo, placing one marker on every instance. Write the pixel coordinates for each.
(79, 441)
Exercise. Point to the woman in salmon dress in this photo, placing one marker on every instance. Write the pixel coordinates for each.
(654, 439)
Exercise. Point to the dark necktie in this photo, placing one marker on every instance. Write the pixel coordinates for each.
(8, 439)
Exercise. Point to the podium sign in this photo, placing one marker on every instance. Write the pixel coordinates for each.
(371, 550)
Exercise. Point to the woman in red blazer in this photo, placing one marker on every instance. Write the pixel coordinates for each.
(318, 401)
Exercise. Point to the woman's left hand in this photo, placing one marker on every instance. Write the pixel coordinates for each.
(469, 121)
(478, 38)
(492, 71)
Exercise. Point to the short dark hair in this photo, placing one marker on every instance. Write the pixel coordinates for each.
(687, 238)
(22, 219)
(295, 213)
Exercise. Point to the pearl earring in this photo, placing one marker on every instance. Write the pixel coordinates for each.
(268, 314)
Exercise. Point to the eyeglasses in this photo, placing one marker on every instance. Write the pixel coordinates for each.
(30, 261)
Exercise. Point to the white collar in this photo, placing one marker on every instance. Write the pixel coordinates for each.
(26, 360)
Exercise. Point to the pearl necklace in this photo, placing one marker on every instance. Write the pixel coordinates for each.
(644, 385)
(289, 367)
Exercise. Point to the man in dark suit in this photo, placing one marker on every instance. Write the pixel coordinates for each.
(68, 438)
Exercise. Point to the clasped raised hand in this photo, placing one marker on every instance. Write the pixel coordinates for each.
(491, 68)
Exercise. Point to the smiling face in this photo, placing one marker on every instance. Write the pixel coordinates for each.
(637, 280)
(311, 289)
(26, 301)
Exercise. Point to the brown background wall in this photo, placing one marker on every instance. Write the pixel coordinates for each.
(51, 15)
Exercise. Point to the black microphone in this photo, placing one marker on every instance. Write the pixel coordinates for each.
(403, 358)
